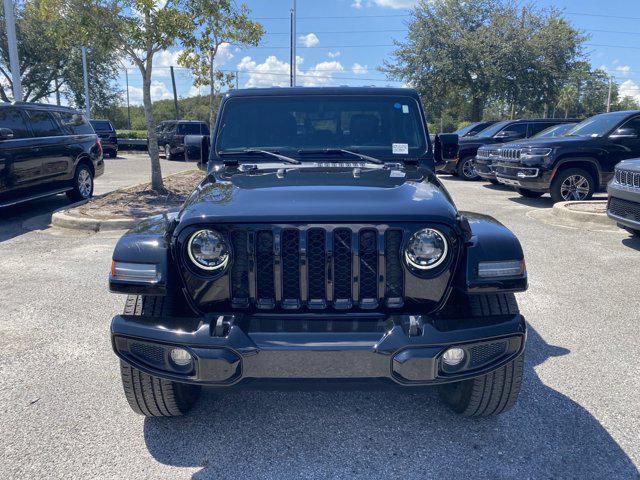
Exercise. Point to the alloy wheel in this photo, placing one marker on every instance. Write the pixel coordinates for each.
(85, 183)
(574, 187)
(469, 169)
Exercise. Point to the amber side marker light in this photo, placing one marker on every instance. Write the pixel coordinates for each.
(135, 272)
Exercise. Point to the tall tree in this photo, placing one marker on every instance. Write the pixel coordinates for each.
(140, 29)
(217, 24)
(50, 34)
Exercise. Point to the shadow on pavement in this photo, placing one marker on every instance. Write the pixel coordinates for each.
(25, 217)
(280, 435)
(632, 242)
(542, 202)
(499, 187)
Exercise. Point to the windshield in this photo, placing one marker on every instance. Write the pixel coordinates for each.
(189, 128)
(464, 130)
(596, 126)
(492, 130)
(555, 131)
(378, 125)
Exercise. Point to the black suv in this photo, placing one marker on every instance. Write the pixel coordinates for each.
(500, 132)
(575, 165)
(104, 129)
(171, 136)
(473, 129)
(320, 248)
(624, 196)
(46, 150)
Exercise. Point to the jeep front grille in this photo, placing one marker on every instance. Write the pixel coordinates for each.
(316, 267)
(624, 208)
(627, 178)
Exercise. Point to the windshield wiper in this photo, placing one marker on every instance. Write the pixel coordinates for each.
(254, 151)
(328, 151)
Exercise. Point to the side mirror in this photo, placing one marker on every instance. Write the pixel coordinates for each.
(196, 149)
(6, 134)
(624, 133)
(445, 147)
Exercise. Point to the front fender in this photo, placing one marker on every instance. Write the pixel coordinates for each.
(490, 241)
(147, 244)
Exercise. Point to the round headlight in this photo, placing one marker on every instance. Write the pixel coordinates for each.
(208, 250)
(426, 249)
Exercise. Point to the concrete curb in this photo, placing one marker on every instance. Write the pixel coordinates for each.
(62, 219)
(563, 210)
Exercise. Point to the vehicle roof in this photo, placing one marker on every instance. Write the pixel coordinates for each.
(295, 91)
(47, 106)
(558, 120)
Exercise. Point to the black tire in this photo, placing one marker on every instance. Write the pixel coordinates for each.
(494, 181)
(82, 184)
(633, 232)
(585, 191)
(497, 391)
(148, 395)
(529, 193)
(113, 154)
(466, 171)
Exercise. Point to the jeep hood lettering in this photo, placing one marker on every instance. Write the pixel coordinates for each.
(312, 195)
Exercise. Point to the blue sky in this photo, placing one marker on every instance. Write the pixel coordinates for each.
(342, 42)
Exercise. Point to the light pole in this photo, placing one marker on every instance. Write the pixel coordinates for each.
(13, 50)
(293, 45)
(87, 106)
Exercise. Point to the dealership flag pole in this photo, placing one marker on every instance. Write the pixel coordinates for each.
(13, 50)
(86, 83)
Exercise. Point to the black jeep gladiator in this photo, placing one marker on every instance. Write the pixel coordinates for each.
(574, 165)
(320, 250)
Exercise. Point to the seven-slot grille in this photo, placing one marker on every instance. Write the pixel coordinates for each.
(316, 267)
(627, 178)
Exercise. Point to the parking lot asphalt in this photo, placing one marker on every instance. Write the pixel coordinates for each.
(63, 413)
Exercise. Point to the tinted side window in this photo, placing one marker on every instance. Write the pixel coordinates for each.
(538, 127)
(12, 119)
(74, 123)
(188, 128)
(43, 125)
(519, 130)
(633, 123)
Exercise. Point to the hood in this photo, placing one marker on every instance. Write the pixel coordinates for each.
(303, 194)
(632, 165)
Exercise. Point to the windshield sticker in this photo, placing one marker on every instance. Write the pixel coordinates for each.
(405, 108)
(400, 148)
(396, 174)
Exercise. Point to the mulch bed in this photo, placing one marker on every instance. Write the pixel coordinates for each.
(140, 201)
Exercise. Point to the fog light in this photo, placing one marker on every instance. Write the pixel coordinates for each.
(180, 357)
(453, 356)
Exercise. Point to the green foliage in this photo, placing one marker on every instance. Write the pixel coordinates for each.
(135, 134)
(486, 56)
(49, 34)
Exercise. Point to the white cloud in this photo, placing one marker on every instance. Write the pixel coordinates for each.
(624, 70)
(275, 72)
(629, 88)
(396, 3)
(359, 69)
(159, 91)
(334, 54)
(321, 74)
(309, 40)
(385, 3)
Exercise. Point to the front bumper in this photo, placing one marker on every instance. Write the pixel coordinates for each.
(404, 350)
(483, 168)
(623, 205)
(528, 177)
